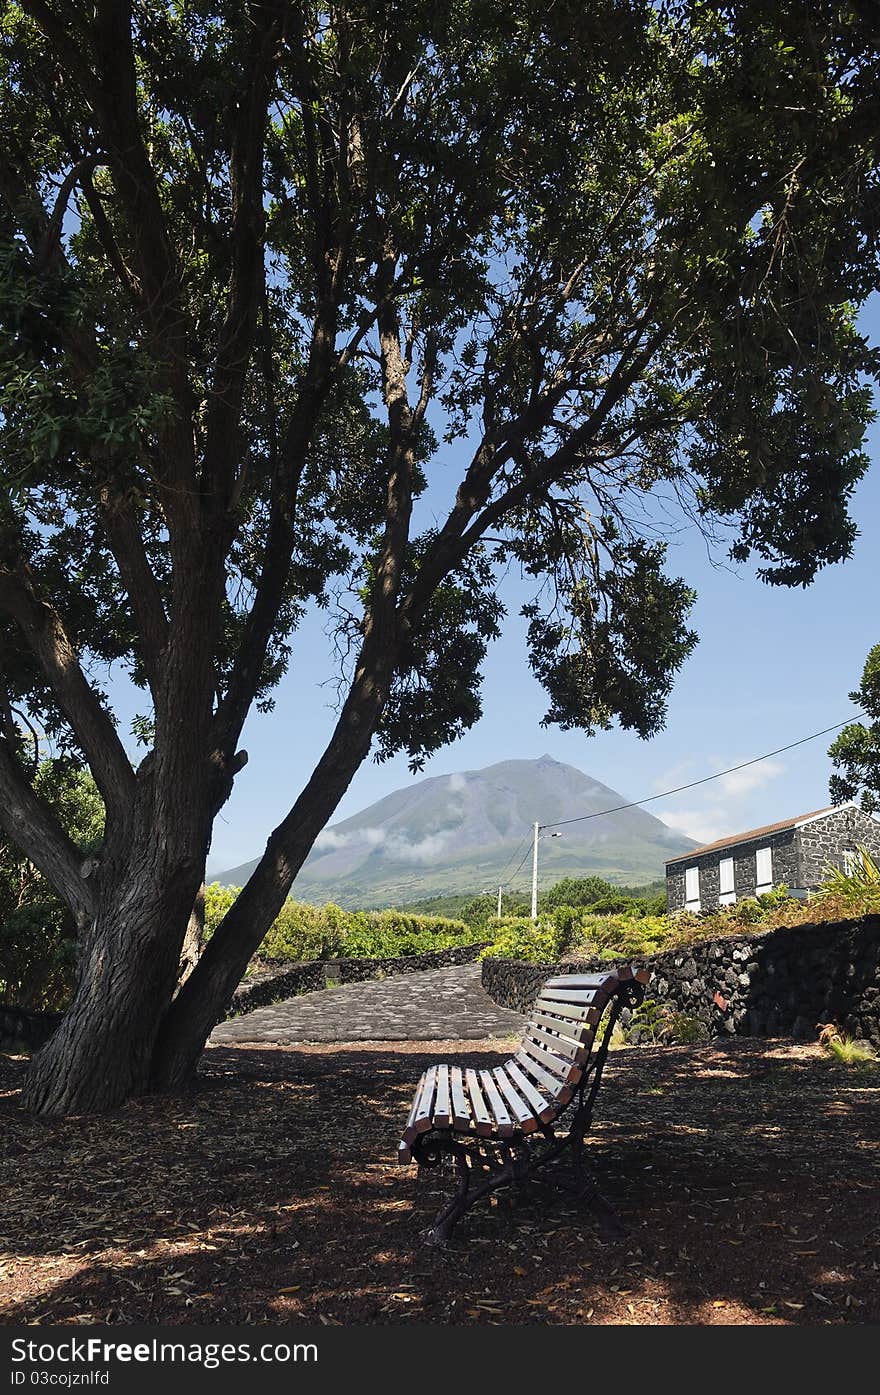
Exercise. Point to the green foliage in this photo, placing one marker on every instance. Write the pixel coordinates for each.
(482, 910)
(855, 752)
(218, 899)
(587, 932)
(539, 942)
(576, 891)
(381, 934)
(661, 1024)
(622, 278)
(37, 933)
(302, 931)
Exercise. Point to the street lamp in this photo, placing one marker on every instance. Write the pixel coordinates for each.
(537, 834)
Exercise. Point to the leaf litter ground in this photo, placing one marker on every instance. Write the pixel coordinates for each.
(748, 1175)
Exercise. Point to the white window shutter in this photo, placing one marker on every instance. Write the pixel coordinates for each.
(726, 887)
(764, 870)
(692, 888)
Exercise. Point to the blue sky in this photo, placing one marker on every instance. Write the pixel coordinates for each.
(772, 665)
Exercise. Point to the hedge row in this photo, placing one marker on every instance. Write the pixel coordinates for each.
(304, 932)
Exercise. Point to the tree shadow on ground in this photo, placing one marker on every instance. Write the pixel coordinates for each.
(747, 1175)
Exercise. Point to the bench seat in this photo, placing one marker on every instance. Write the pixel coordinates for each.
(530, 1090)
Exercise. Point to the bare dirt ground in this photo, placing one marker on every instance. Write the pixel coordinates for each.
(748, 1175)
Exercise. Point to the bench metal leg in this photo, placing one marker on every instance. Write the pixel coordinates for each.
(467, 1163)
(518, 1164)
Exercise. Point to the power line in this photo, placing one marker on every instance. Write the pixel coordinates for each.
(519, 864)
(756, 760)
(504, 879)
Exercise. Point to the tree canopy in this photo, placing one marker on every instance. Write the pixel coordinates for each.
(270, 271)
(855, 753)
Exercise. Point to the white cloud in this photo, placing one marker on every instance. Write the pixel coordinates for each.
(422, 851)
(722, 807)
(740, 782)
(329, 840)
(457, 782)
(705, 825)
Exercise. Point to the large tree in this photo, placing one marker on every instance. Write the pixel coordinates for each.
(268, 270)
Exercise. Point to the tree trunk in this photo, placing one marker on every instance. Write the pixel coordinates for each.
(101, 1052)
(203, 997)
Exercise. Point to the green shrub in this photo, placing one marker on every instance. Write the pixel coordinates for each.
(537, 941)
(218, 899)
(663, 1025)
(302, 931)
(386, 934)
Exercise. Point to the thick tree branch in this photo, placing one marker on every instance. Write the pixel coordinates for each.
(31, 824)
(139, 580)
(51, 646)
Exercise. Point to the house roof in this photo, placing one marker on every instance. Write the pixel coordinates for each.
(751, 833)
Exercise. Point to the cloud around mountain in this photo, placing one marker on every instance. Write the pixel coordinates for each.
(464, 832)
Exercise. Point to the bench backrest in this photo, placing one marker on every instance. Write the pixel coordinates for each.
(558, 1039)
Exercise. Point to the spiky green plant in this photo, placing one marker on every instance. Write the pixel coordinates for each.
(852, 882)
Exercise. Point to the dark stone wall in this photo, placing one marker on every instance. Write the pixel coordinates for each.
(275, 983)
(776, 983)
(357, 970)
(785, 869)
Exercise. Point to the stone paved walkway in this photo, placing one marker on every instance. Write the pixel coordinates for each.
(436, 1005)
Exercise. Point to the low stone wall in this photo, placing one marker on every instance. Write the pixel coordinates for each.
(21, 1028)
(275, 983)
(775, 983)
(358, 970)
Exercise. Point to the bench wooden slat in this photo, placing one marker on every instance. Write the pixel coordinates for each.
(572, 1050)
(582, 997)
(545, 1110)
(575, 1012)
(409, 1128)
(555, 1088)
(442, 1110)
(422, 1119)
(461, 1114)
(569, 1031)
(565, 1070)
(587, 980)
(496, 1104)
(571, 1024)
(523, 1112)
(482, 1116)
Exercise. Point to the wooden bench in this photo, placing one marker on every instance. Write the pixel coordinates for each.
(501, 1125)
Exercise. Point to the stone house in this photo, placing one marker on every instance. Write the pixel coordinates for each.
(795, 852)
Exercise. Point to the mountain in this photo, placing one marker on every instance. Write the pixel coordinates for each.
(467, 831)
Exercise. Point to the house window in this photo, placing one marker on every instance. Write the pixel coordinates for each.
(726, 892)
(850, 861)
(763, 871)
(692, 888)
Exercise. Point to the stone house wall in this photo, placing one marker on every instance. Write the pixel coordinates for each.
(800, 857)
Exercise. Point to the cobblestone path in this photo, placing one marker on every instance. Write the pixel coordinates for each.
(435, 1005)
